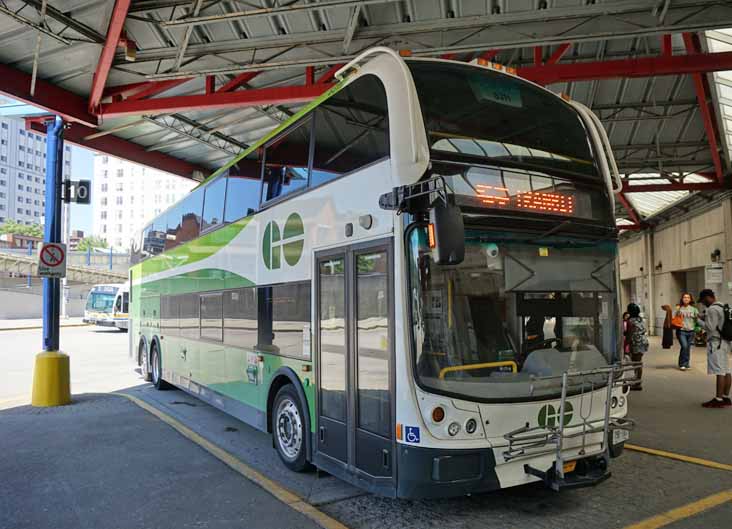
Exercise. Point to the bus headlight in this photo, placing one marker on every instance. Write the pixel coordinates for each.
(471, 425)
(453, 429)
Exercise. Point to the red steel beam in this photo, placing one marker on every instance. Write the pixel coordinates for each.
(666, 46)
(704, 97)
(114, 31)
(236, 82)
(210, 84)
(649, 188)
(640, 67)
(115, 146)
(635, 227)
(123, 89)
(242, 98)
(329, 74)
(156, 87)
(555, 57)
(71, 107)
(632, 213)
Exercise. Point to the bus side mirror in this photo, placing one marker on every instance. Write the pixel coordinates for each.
(446, 234)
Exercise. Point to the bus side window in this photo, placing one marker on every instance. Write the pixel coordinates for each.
(242, 189)
(213, 204)
(286, 161)
(351, 130)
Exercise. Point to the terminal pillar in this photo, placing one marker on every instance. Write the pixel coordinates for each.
(51, 376)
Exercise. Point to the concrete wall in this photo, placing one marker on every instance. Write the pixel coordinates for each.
(656, 266)
(17, 301)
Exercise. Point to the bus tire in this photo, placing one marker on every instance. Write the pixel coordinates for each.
(157, 369)
(144, 362)
(288, 429)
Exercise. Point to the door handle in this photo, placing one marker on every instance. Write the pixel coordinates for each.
(322, 434)
(386, 459)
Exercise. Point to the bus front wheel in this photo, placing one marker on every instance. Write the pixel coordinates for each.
(288, 429)
(157, 369)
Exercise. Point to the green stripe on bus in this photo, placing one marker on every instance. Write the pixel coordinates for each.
(193, 251)
(203, 280)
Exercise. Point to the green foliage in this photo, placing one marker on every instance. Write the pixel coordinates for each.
(93, 241)
(11, 226)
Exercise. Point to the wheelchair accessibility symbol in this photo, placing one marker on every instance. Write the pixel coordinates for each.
(411, 434)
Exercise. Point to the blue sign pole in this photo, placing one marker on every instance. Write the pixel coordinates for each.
(30, 254)
(52, 232)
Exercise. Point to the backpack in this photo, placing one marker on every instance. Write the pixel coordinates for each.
(725, 331)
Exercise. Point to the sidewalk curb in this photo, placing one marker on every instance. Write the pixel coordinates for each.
(41, 327)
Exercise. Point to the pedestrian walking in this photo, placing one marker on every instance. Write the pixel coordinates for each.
(626, 342)
(685, 321)
(638, 340)
(718, 324)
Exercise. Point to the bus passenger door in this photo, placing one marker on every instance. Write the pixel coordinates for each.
(355, 363)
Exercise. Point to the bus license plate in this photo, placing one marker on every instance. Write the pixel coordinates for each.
(569, 466)
(620, 435)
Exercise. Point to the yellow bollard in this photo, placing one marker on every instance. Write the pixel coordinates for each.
(51, 379)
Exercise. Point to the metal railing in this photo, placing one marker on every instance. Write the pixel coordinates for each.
(109, 260)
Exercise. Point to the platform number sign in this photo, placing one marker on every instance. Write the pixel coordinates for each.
(78, 191)
(52, 260)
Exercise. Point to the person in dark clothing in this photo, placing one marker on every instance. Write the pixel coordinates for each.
(638, 340)
(668, 331)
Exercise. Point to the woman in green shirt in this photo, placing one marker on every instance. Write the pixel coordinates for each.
(685, 334)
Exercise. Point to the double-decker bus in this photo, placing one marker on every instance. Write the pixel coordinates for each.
(411, 284)
(107, 306)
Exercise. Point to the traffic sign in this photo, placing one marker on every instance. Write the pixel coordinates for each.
(52, 260)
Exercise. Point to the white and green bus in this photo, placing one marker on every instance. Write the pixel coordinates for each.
(411, 284)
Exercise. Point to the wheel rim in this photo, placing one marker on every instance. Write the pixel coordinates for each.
(289, 429)
(155, 365)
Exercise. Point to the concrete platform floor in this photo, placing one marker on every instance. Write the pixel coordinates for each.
(103, 462)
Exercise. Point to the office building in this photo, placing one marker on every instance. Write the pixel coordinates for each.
(23, 172)
(127, 196)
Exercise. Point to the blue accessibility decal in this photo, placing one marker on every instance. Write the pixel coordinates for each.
(411, 434)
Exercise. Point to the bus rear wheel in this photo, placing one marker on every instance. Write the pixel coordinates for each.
(157, 369)
(288, 429)
(144, 363)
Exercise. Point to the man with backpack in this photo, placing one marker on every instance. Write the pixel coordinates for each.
(718, 324)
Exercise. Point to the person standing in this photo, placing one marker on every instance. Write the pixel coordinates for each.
(717, 350)
(668, 330)
(638, 340)
(686, 315)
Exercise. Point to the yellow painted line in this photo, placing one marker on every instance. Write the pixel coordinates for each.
(41, 327)
(680, 457)
(683, 512)
(287, 497)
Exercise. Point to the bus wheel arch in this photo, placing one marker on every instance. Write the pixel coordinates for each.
(283, 377)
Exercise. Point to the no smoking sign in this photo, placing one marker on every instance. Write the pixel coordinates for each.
(52, 260)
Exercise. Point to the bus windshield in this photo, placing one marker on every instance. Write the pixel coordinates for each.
(476, 113)
(101, 299)
(513, 316)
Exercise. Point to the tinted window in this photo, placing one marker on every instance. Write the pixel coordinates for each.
(173, 219)
(240, 318)
(190, 211)
(188, 307)
(286, 162)
(242, 194)
(212, 317)
(153, 238)
(484, 114)
(213, 205)
(284, 319)
(351, 130)
(333, 338)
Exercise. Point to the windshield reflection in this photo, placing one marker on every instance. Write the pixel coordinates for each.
(515, 314)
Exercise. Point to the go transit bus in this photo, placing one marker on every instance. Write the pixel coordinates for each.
(411, 284)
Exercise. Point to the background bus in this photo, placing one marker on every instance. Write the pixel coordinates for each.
(107, 306)
(411, 285)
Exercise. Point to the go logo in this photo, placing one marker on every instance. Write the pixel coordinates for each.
(289, 242)
(549, 415)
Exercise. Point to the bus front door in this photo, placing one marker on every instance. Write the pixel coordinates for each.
(355, 364)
